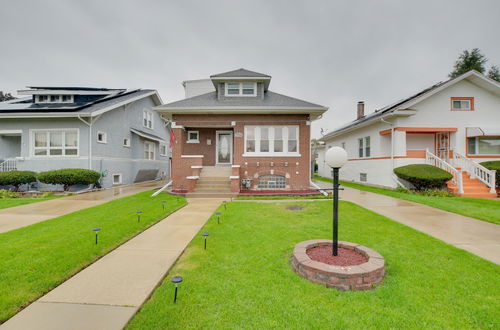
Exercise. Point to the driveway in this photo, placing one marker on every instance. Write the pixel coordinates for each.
(478, 237)
(25, 215)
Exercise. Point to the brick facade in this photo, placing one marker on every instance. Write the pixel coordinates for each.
(295, 169)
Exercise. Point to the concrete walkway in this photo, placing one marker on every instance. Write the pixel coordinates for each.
(109, 292)
(479, 237)
(25, 215)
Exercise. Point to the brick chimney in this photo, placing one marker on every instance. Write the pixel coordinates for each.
(361, 109)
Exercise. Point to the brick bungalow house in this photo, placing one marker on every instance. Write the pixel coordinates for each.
(231, 134)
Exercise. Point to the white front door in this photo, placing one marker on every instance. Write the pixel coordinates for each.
(224, 147)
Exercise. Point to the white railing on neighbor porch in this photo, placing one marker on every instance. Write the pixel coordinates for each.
(475, 170)
(434, 160)
(8, 165)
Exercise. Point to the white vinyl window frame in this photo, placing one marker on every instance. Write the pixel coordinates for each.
(102, 137)
(364, 147)
(147, 119)
(163, 149)
(126, 142)
(193, 139)
(119, 176)
(149, 150)
(271, 131)
(48, 148)
(241, 87)
(53, 98)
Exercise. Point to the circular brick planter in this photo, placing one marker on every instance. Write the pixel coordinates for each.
(343, 278)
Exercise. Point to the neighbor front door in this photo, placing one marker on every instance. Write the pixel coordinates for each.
(224, 147)
(442, 145)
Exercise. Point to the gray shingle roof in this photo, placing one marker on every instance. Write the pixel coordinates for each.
(271, 100)
(240, 73)
(24, 105)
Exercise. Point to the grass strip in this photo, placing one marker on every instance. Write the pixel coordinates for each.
(37, 258)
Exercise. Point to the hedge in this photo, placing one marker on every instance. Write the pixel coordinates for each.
(69, 177)
(494, 165)
(423, 177)
(17, 178)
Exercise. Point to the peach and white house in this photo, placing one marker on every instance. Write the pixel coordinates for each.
(231, 134)
(454, 125)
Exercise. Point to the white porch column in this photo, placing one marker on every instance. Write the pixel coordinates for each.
(399, 143)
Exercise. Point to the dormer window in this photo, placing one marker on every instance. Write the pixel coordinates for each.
(54, 99)
(241, 89)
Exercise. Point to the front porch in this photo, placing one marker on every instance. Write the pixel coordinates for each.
(440, 147)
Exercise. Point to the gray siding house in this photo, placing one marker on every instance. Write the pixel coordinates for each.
(112, 131)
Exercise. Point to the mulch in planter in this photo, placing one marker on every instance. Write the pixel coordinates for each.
(345, 257)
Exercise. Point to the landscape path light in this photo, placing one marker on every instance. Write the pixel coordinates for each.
(225, 205)
(218, 217)
(163, 204)
(176, 280)
(96, 231)
(139, 216)
(205, 235)
(335, 157)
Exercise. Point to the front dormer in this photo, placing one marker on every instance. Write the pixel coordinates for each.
(66, 96)
(240, 83)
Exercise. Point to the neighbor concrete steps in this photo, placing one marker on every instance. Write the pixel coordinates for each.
(472, 188)
(214, 182)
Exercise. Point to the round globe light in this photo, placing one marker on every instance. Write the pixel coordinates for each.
(336, 157)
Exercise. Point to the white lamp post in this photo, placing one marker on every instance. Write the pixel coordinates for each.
(335, 157)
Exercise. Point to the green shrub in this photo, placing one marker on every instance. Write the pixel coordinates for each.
(69, 177)
(403, 190)
(423, 177)
(436, 193)
(8, 194)
(16, 178)
(494, 165)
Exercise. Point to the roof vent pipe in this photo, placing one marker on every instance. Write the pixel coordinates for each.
(361, 109)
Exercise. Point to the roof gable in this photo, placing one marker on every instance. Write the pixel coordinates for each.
(403, 105)
(240, 73)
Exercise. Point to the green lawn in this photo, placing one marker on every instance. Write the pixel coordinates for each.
(37, 258)
(244, 279)
(11, 202)
(282, 197)
(483, 209)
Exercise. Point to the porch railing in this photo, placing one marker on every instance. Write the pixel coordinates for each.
(434, 160)
(8, 165)
(475, 170)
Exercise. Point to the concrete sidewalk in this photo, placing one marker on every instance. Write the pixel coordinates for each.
(479, 237)
(25, 215)
(109, 292)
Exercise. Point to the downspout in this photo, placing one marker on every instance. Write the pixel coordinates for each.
(89, 124)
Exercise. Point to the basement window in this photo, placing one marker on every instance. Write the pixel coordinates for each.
(271, 182)
(117, 178)
(363, 177)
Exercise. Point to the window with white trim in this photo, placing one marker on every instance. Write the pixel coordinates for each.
(149, 150)
(57, 143)
(54, 98)
(147, 119)
(163, 149)
(364, 149)
(193, 137)
(483, 145)
(462, 103)
(102, 137)
(126, 142)
(117, 178)
(272, 140)
(241, 89)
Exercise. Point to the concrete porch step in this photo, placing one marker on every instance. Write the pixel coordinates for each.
(211, 195)
(214, 180)
(216, 185)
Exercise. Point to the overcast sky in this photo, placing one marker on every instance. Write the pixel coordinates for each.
(334, 53)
